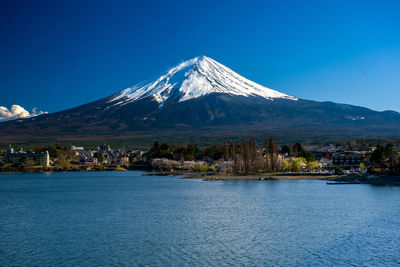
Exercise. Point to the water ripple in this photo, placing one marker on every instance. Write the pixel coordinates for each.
(119, 219)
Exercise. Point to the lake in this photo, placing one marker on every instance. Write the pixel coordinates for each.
(124, 218)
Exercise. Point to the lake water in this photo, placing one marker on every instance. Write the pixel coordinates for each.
(123, 218)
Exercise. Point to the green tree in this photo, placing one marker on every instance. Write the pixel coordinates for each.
(23, 159)
(377, 157)
(313, 165)
(296, 164)
(287, 165)
(191, 151)
(309, 156)
(214, 152)
(200, 167)
(286, 150)
(160, 151)
(384, 158)
(98, 156)
(297, 149)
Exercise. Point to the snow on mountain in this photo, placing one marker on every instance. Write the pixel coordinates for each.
(194, 78)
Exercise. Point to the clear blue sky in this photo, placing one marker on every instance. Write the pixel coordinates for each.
(59, 54)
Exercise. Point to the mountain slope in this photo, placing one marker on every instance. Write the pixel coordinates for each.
(195, 78)
(202, 98)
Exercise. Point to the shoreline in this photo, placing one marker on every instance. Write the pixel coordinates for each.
(48, 171)
(257, 176)
(260, 177)
(192, 175)
(379, 180)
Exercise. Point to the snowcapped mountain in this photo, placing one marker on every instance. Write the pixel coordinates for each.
(201, 99)
(194, 78)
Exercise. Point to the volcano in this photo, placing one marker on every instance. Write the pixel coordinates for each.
(203, 99)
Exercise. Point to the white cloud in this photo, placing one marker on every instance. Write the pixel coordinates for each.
(17, 112)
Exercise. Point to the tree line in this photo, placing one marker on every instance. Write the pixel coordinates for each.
(244, 157)
(384, 159)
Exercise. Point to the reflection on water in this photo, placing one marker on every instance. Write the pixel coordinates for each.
(123, 218)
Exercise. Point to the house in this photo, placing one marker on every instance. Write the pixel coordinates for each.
(87, 161)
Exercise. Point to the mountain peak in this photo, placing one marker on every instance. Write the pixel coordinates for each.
(194, 78)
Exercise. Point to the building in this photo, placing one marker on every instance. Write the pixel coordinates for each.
(76, 147)
(42, 159)
(347, 160)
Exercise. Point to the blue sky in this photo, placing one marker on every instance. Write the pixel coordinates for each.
(60, 54)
